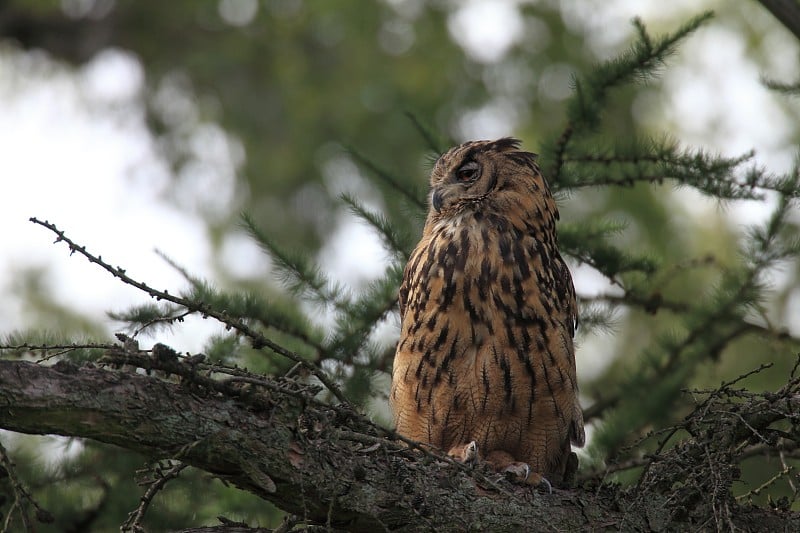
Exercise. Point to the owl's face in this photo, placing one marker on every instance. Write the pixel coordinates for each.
(477, 173)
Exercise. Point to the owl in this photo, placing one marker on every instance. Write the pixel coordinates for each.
(485, 364)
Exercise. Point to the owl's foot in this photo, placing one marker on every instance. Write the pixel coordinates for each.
(521, 473)
(465, 453)
(518, 471)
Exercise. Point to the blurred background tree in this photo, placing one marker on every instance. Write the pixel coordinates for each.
(277, 108)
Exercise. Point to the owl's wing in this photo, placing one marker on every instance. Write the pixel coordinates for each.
(577, 434)
(402, 297)
(406, 284)
(569, 298)
(576, 431)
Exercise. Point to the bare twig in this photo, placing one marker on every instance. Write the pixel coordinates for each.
(134, 520)
(258, 340)
(21, 496)
(61, 349)
(195, 282)
(561, 149)
(162, 320)
(768, 483)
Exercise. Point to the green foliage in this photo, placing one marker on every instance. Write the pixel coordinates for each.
(790, 89)
(151, 316)
(653, 161)
(300, 276)
(708, 326)
(432, 139)
(411, 194)
(362, 314)
(41, 344)
(587, 242)
(270, 314)
(94, 486)
(396, 239)
(224, 349)
(639, 64)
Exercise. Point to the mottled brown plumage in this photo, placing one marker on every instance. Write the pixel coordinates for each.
(488, 314)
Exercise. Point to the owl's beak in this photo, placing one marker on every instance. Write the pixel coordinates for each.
(437, 199)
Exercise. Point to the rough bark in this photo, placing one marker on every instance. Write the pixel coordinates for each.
(324, 463)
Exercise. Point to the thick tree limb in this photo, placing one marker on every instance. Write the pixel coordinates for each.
(322, 463)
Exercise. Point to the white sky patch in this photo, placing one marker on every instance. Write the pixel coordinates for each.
(207, 183)
(343, 177)
(242, 258)
(96, 175)
(598, 347)
(793, 309)
(354, 254)
(714, 99)
(486, 29)
(238, 12)
(396, 36)
(114, 76)
(714, 96)
(496, 119)
(555, 82)
(606, 24)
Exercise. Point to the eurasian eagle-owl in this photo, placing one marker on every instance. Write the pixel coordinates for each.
(485, 364)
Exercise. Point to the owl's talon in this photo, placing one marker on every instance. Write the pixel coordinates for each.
(518, 471)
(521, 473)
(538, 480)
(546, 484)
(464, 453)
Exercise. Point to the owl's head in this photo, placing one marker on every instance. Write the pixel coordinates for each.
(487, 175)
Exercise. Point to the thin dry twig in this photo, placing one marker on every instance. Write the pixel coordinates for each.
(697, 473)
(258, 340)
(767, 484)
(134, 521)
(61, 349)
(21, 497)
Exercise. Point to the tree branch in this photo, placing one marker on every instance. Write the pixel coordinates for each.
(323, 463)
(298, 455)
(258, 340)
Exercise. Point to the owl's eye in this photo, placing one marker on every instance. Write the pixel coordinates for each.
(468, 172)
